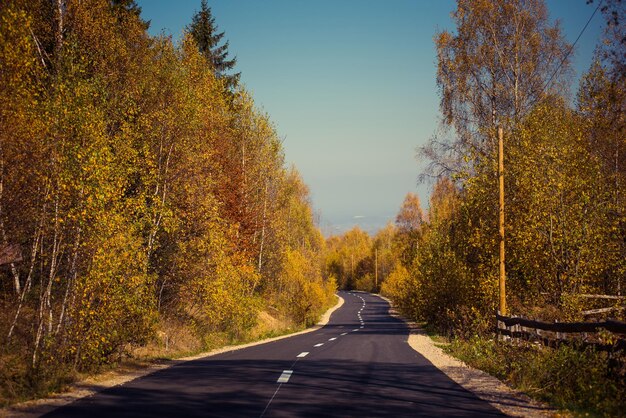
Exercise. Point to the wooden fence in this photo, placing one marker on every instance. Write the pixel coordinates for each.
(580, 334)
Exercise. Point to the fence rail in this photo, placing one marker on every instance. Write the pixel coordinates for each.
(557, 333)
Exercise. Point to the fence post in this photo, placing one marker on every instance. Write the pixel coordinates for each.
(501, 327)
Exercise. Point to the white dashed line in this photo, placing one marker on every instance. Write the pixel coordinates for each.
(302, 354)
(344, 333)
(361, 326)
(355, 330)
(318, 345)
(332, 339)
(284, 377)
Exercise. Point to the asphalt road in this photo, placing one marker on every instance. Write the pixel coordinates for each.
(359, 365)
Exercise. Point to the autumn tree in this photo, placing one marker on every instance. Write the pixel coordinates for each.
(602, 104)
(384, 254)
(503, 59)
(409, 221)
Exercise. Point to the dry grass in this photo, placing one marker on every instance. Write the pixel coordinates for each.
(173, 339)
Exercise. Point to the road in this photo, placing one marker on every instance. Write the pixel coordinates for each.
(358, 365)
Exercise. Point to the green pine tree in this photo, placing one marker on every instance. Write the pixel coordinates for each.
(205, 33)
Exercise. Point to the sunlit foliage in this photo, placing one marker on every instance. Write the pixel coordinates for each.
(138, 190)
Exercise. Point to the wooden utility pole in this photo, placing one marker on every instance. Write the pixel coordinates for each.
(501, 221)
(376, 268)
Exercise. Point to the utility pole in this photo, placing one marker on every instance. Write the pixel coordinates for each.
(376, 268)
(352, 266)
(501, 221)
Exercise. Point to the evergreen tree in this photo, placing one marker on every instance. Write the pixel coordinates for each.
(204, 31)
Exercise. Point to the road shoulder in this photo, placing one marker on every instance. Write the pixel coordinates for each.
(488, 388)
(98, 383)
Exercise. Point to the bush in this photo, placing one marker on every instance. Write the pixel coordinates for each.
(568, 377)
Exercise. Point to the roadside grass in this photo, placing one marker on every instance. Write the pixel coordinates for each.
(439, 340)
(584, 382)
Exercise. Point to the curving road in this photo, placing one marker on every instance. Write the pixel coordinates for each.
(359, 365)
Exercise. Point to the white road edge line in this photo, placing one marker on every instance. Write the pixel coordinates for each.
(302, 354)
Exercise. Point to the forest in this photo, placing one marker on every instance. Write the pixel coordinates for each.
(144, 198)
(565, 200)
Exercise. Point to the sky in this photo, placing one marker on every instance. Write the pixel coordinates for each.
(350, 86)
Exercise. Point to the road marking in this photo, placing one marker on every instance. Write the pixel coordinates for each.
(344, 333)
(332, 339)
(302, 354)
(318, 345)
(284, 377)
(355, 330)
(361, 326)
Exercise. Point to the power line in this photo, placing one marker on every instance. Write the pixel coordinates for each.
(570, 49)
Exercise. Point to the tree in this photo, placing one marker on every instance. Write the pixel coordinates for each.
(560, 237)
(613, 46)
(602, 104)
(409, 222)
(129, 8)
(503, 59)
(410, 217)
(205, 33)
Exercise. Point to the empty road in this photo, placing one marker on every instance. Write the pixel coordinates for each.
(359, 365)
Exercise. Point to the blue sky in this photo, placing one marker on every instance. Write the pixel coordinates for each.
(350, 86)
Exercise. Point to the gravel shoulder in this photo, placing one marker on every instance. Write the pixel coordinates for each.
(510, 401)
(126, 373)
